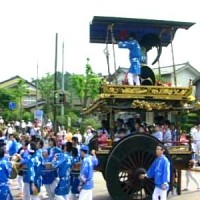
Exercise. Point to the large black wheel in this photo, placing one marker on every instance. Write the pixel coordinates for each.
(129, 158)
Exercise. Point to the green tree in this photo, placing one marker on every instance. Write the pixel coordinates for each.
(46, 90)
(46, 87)
(6, 95)
(86, 86)
(66, 80)
(90, 121)
(20, 91)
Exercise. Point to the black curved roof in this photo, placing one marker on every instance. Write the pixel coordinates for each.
(165, 29)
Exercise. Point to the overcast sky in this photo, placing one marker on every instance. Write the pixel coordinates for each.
(28, 33)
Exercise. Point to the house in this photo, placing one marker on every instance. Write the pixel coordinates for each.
(184, 72)
(29, 101)
(197, 83)
(119, 76)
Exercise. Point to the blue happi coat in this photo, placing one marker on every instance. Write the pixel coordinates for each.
(63, 166)
(5, 173)
(48, 175)
(160, 171)
(13, 148)
(86, 174)
(33, 172)
(135, 55)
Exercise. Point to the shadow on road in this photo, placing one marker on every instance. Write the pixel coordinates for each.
(102, 197)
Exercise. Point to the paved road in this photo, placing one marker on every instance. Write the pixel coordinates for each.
(100, 191)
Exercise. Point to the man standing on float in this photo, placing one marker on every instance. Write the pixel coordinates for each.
(135, 56)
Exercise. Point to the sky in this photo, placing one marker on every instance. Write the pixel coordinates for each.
(28, 29)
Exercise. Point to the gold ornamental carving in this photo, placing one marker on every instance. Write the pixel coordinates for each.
(155, 92)
(150, 105)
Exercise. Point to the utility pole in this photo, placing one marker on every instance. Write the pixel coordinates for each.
(63, 82)
(55, 84)
(37, 89)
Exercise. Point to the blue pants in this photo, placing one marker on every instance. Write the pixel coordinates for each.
(135, 67)
(5, 193)
(62, 187)
(75, 183)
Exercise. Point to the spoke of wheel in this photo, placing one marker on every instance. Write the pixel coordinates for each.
(128, 165)
(133, 160)
(141, 193)
(135, 157)
(139, 158)
(148, 160)
(142, 158)
(127, 187)
(148, 186)
(136, 193)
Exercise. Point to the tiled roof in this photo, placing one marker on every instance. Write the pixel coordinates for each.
(169, 69)
(165, 70)
(12, 80)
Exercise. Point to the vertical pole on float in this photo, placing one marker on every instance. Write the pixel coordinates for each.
(63, 82)
(55, 84)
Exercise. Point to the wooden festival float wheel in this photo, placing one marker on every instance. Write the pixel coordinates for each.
(130, 158)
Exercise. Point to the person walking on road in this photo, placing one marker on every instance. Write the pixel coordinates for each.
(190, 175)
(5, 173)
(160, 171)
(86, 174)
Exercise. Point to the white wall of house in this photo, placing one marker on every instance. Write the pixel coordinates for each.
(120, 78)
(198, 90)
(29, 100)
(183, 77)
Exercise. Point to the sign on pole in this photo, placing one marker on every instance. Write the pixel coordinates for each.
(39, 115)
(12, 105)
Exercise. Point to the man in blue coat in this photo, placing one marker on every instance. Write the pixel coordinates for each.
(160, 171)
(135, 57)
(86, 174)
(32, 174)
(48, 175)
(5, 173)
(12, 145)
(62, 162)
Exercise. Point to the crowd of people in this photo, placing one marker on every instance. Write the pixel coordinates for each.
(61, 163)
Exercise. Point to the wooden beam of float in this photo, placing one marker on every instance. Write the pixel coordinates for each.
(125, 97)
(147, 92)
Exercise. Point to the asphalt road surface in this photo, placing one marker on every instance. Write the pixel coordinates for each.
(100, 191)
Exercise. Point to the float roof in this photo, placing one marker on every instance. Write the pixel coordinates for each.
(165, 29)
